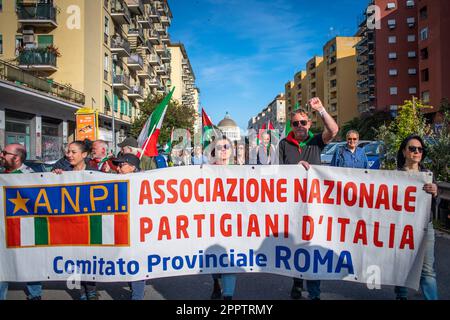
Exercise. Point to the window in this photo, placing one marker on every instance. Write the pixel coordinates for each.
(45, 41)
(426, 96)
(1, 44)
(106, 67)
(425, 75)
(107, 25)
(393, 91)
(391, 23)
(424, 53)
(424, 34)
(412, 90)
(392, 39)
(411, 54)
(412, 71)
(393, 72)
(1, 5)
(410, 4)
(391, 5)
(392, 55)
(411, 21)
(411, 38)
(423, 13)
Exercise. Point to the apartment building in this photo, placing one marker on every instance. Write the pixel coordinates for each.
(388, 56)
(340, 92)
(275, 112)
(434, 52)
(183, 77)
(114, 52)
(314, 87)
(290, 94)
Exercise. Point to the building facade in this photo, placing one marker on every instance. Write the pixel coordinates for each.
(114, 52)
(340, 93)
(275, 112)
(314, 87)
(229, 128)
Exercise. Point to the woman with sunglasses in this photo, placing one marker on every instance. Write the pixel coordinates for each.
(410, 158)
(221, 154)
(350, 155)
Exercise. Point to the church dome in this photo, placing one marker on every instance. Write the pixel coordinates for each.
(227, 122)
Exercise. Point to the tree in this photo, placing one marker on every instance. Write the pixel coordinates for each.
(366, 125)
(177, 116)
(410, 120)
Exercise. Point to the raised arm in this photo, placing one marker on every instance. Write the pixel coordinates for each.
(330, 126)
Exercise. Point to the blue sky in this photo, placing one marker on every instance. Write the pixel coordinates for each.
(244, 51)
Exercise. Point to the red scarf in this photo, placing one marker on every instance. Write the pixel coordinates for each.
(291, 138)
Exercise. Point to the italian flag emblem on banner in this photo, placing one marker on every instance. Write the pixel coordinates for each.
(85, 214)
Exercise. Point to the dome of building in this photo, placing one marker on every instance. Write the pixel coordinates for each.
(227, 122)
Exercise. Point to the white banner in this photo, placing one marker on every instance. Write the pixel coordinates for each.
(327, 223)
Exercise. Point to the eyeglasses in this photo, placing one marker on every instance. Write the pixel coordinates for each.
(223, 147)
(415, 149)
(352, 139)
(4, 153)
(302, 122)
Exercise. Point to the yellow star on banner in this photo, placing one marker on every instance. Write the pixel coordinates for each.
(19, 203)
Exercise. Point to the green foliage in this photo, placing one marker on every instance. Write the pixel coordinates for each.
(410, 120)
(366, 126)
(177, 117)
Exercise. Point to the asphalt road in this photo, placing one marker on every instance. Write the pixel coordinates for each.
(249, 286)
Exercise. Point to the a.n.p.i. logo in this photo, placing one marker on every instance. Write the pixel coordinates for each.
(85, 214)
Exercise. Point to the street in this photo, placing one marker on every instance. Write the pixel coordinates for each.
(249, 286)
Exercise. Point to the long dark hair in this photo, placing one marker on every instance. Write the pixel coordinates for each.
(85, 146)
(401, 158)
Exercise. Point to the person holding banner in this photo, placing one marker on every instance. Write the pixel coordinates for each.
(100, 158)
(410, 158)
(77, 154)
(126, 164)
(302, 147)
(12, 158)
(222, 155)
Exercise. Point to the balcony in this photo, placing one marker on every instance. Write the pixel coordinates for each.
(154, 83)
(159, 28)
(153, 37)
(120, 46)
(147, 45)
(34, 13)
(120, 13)
(38, 60)
(144, 73)
(154, 60)
(161, 70)
(136, 32)
(165, 39)
(160, 48)
(136, 92)
(166, 55)
(154, 15)
(165, 21)
(135, 6)
(135, 62)
(144, 21)
(121, 82)
(15, 75)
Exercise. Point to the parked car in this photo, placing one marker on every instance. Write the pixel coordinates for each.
(39, 166)
(375, 153)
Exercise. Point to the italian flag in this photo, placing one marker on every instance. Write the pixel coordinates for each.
(148, 139)
(89, 230)
(168, 146)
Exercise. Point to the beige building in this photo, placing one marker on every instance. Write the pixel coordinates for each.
(114, 52)
(340, 77)
(290, 95)
(182, 77)
(313, 86)
(275, 112)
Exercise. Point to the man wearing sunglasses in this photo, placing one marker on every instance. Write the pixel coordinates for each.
(302, 147)
(12, 158)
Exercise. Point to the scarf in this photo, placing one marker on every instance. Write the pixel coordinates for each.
(291, 138)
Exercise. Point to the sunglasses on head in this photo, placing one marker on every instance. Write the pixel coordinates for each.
(223, 146)
(301, 122)
(415, 149)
